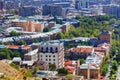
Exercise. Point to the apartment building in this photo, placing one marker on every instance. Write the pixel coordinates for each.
(105, 35)
(79, 52)
(52, 53)
(31, 26)
(31, 56)
(104, 47)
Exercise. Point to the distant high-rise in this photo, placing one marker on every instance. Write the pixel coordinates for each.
(53, 10)
(27, 11)
(1, 5)
(80, 4)
(112, 10)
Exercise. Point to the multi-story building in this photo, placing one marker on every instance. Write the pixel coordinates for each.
(91, 68)
(54, 10)
(104, 47)
(1, 5)
(105, 35)
(31, 26)
(22, 49)
(79, 52)
(31, 56)
(52, 53)
(90, 71)
(81, 4)
(11, 5)
(27, 11)
(112, 9)
(72, 66)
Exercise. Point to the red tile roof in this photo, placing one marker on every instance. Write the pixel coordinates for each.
(82, 50)
(17, 47)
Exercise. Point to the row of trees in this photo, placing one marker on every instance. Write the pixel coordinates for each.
(8, 54)
(89, 27)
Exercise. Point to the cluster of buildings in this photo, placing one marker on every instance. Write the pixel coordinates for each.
(59, 7)
(52, 52)
(32, 28)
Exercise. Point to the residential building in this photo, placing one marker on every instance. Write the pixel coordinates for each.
(27, 11)
(53, 10)
(11, 5)
(31, 26)
(105, 35)
(90, 71)
(52, 53)
(17, 60)
(22, 49)
(79, 52)
(30, 59)
(112, 9)
(91, 68)
(1, 5)
(81, 4)
(72, 66)
(51, 24)
(66, 27)
(104, 47)
(31, 56)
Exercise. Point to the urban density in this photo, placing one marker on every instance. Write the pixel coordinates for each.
(59, 39)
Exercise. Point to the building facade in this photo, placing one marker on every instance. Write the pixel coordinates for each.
(27, 11)
(105, 35)
(53, 10)
(31, 26)
(80, 4)
(52, 53)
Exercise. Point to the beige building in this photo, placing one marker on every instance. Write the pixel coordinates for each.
(31, 26)
(52, 53)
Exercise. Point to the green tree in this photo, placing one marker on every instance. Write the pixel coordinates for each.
(60, 36)
(62, 71)
(46, 29)
(114, 65)
(81, 61)
(12, 11)
(35, 40)
(35, 69)
(21, 42)
(14, 33)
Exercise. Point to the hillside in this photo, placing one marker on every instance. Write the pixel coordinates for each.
(7, 70)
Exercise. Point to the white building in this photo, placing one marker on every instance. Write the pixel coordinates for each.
(31, 56)
(52, 53)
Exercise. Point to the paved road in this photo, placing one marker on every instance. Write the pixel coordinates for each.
(118, 75)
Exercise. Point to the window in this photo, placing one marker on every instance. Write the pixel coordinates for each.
(46, 56)
(53, 59)
(49, 55)
(56, 50)
(49, 59)
(41, 48)
(41, 55)
(51, 49)
(46, 60)
(47, 49)
(53, 55)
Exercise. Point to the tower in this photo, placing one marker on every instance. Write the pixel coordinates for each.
(80, 4)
